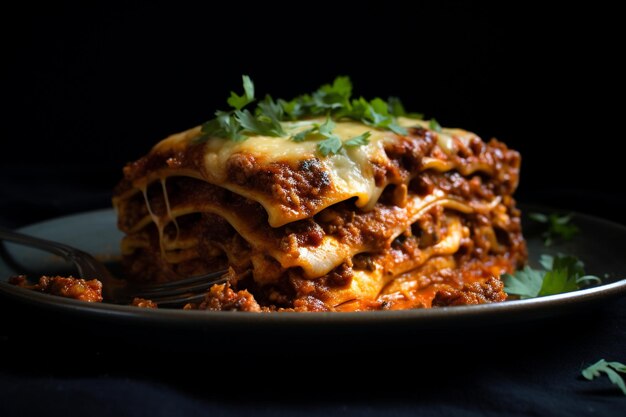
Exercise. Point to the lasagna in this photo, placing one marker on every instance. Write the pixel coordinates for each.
(397, 222)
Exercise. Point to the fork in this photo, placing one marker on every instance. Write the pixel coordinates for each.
(119, 291)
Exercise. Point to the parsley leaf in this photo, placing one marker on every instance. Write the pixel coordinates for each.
(374, 113)
(557, 226)
(526, 283)
(333, 100)
(378, 112)
(223, 125)
(611, 369)
(378, 116)
(261, 124)
(333, 96)
(237, 124)
(296, 108)
(559, 279)
(358, 140)
(396, 109)
(324, 129)
(301, 136)
(239, 102)
(434, 125)
(396, 128)
(327, 127)
(330, 145)
(563, 274)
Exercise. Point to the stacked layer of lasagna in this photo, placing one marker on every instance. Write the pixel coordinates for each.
(380, 226)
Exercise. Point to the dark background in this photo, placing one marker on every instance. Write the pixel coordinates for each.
(88, 89)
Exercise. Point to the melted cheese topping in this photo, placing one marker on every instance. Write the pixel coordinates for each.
(350, 171)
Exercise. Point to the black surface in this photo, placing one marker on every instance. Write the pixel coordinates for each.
(88, 89)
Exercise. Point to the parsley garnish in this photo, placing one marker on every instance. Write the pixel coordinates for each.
(224, 125)
(331, 143)
(562, 273)
(396, 108)
(233, 124)
(301, 136)
(433, 124)
(611, 370)
(374, 113)
(331, 100)
(358, 140)
(335, 100)
(557, 226)
(239, 102)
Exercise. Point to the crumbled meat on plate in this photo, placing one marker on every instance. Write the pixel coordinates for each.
(69, 287)
(490, 291)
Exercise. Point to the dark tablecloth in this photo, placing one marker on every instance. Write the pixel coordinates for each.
(58, 365)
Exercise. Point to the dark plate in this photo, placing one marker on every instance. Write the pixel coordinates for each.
(601, 245)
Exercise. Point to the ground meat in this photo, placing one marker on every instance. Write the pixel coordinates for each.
(308, 304)
(490, 291)
(69, 287)
(143, 303)
(222, 297)
(293, 187)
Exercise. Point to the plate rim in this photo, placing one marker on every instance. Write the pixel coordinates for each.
(536, 305)
(432, 315)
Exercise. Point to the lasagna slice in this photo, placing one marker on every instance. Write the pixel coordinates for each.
(384, 225)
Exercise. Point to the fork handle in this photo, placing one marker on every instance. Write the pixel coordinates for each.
(56, 248)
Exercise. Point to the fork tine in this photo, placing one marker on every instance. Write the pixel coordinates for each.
(177, 301)
(121, 291)
(182, 282)
(183, 289)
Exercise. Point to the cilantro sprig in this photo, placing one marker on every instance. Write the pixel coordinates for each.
(563, 273)
(334, 101)
(611, 370)
(557, 226)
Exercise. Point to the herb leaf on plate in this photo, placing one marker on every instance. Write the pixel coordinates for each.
(563, 273)
(558, 226)
(526, 282)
